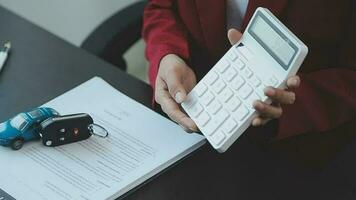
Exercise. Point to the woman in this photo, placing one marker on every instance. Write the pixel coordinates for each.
(185, 38)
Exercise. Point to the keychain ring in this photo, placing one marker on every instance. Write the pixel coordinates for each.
(98, 130)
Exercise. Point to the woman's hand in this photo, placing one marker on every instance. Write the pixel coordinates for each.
(278, 96)
(174, 81)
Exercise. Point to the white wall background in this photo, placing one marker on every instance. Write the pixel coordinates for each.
(74, 20)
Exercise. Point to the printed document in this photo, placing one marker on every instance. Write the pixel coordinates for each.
(141, 143)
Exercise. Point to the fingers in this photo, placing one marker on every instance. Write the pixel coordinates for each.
(181, 118)
(293, 82)
(268, 111)
(185, 129)
(234, 36)
(279, 95)
(259, 121)
(171, 108)
(176, 88)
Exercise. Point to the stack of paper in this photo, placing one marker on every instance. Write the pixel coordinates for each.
(141, 144)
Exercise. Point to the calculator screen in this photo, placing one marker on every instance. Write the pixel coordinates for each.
(273, 40)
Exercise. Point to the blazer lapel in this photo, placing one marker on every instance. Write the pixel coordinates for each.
(212, 18)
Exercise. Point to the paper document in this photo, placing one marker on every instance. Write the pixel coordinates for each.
(141, 144)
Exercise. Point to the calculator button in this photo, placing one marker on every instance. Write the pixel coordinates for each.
(207, 98)
(201, 89)
(232, 55)
(259, 97)
(245, 52)
(226, 94)
(272, 81)
(233, 104)
(214, 107)
(239, 64)
(230, 74)
(218, 86)
(218, 138)
(229, 125)
(237, 83)
(255, 81)
(211, 77)
(241, 113)
(203, 119)
(196, 110)
(245, 91)
(190, 101)
(260, 89)
(247, 72)
(223, 65)
(253, 97)
(216, 122)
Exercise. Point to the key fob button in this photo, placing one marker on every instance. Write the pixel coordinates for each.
(75, 131)
(48, 143)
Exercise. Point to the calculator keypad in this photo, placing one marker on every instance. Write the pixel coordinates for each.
(225, 96)
(201, 89)
(203, 118)
(207, 98)
(211, 78)
(218, 138)
(230, 74)
(218, 86)
(214, 107)
(237, 83)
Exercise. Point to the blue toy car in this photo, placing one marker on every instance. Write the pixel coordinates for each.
(24, 127)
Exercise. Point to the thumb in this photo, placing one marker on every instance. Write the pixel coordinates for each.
(176, 88)
(234, 36)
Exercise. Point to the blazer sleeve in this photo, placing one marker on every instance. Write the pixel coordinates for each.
(326, 99)
(163, 33)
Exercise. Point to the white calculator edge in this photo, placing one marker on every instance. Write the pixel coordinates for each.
(266, 42)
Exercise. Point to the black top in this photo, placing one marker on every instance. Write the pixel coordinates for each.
(41, 66)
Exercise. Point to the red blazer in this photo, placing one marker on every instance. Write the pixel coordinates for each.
(326, 99)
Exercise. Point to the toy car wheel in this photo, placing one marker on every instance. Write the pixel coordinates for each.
(17, 144)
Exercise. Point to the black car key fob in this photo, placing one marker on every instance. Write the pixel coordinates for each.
(66, 129)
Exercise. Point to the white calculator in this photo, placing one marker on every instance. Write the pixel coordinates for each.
(221, 103)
